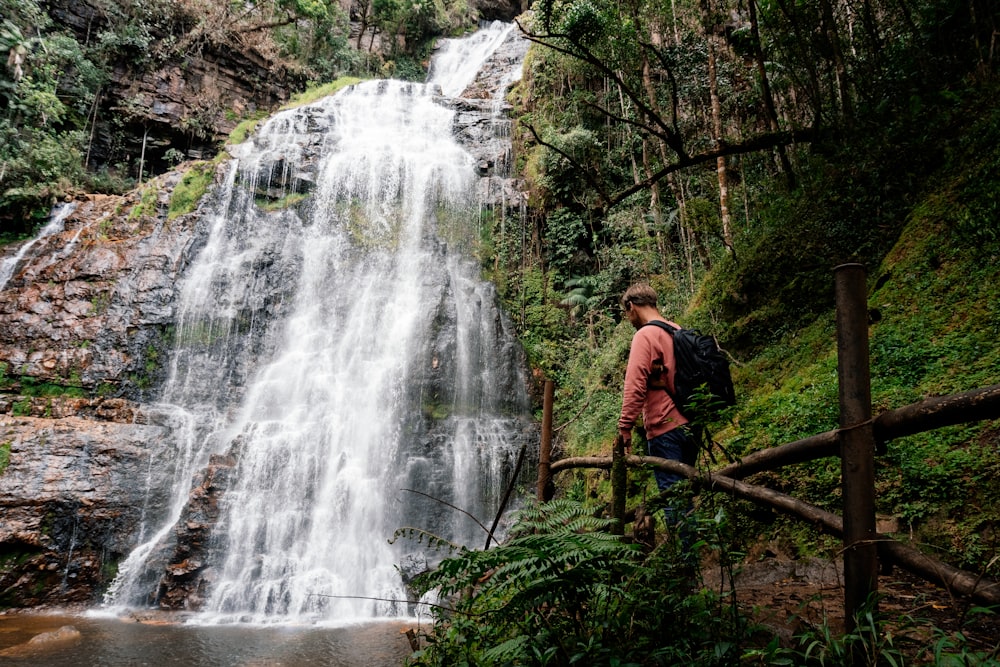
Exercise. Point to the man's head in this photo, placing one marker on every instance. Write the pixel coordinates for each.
(640, 294)
(639, 304)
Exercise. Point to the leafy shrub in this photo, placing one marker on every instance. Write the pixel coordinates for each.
(564, 591)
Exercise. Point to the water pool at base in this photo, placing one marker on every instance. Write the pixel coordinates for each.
(164, 641)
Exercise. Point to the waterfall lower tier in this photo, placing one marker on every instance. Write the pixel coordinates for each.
(341, 371)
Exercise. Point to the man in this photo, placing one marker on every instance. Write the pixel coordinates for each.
(653, 349)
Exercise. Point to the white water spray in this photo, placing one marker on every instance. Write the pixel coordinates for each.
(55, 225)
(340, 352)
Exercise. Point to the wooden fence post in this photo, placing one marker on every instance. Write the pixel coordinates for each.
(545, 486)
(857, 442)
(619, 484)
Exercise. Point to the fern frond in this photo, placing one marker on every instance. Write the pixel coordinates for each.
(433, 541)
(511, 652)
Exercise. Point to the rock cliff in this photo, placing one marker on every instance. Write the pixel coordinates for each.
(188, 101)
(84, 324)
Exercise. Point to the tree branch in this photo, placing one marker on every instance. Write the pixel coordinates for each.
(457, 509)
(670, 137)
(583, 170)
(970, 584)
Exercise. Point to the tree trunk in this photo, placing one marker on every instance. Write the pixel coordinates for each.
(711, 36)
(843, 89)
(766, 95)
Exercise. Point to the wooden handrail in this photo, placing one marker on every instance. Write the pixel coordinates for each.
(960, 582)
(926, 415)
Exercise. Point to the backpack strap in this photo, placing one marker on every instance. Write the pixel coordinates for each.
(663, 325)
(658, 374)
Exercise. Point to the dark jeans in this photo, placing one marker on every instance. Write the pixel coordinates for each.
(675, 445)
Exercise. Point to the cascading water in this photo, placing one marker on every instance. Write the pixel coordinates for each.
(55, 225)
(337, 347)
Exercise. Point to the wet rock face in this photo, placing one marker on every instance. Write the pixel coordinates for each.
(86, 327)
(486, 134)
(71, 496)
(187, 577)
(85, 323)
(88, 312)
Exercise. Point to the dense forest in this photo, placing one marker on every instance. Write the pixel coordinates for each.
(729, 152)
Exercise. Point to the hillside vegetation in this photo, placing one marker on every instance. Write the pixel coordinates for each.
(733, 154)
(901, 177)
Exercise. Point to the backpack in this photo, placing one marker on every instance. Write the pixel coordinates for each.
(701, 368)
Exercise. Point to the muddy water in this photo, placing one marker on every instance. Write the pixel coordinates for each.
(159, 642)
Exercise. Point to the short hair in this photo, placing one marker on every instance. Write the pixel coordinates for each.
(640, 294)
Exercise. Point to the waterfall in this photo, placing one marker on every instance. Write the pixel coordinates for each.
(336, 346)
(55, 225)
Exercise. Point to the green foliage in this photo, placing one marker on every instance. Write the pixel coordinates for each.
(562, 591)
(871, 643)
(244, 129)
(288, 201)
(560, 176)
(953, 649)
(566, 238)
(316, 93)
(46, 91)
(898, 174)
(191, 189)
(49, 90)
(72, 387)
(4, 456)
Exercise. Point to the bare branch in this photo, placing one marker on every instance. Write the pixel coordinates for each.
(457, 509)
(670, 137)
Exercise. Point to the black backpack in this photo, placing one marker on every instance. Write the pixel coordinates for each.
(702, 383)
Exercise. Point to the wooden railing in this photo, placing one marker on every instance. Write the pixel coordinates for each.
(856, 442)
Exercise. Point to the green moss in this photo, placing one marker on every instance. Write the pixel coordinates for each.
(245, 128)
(288, 201)
(313, 94)
(436, 411)
(109, 570)
(12, 559)
(193, 186)
(4, 457)
(99, 303)
(147, 202)
(71, 388)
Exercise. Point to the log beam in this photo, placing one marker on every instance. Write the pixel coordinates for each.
(959, 582)
(926, 415)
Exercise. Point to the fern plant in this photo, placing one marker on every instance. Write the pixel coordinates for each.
(562, 590)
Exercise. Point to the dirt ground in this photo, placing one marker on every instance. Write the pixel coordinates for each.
(796, 597)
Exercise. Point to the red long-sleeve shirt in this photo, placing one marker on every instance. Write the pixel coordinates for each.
(659, 414)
